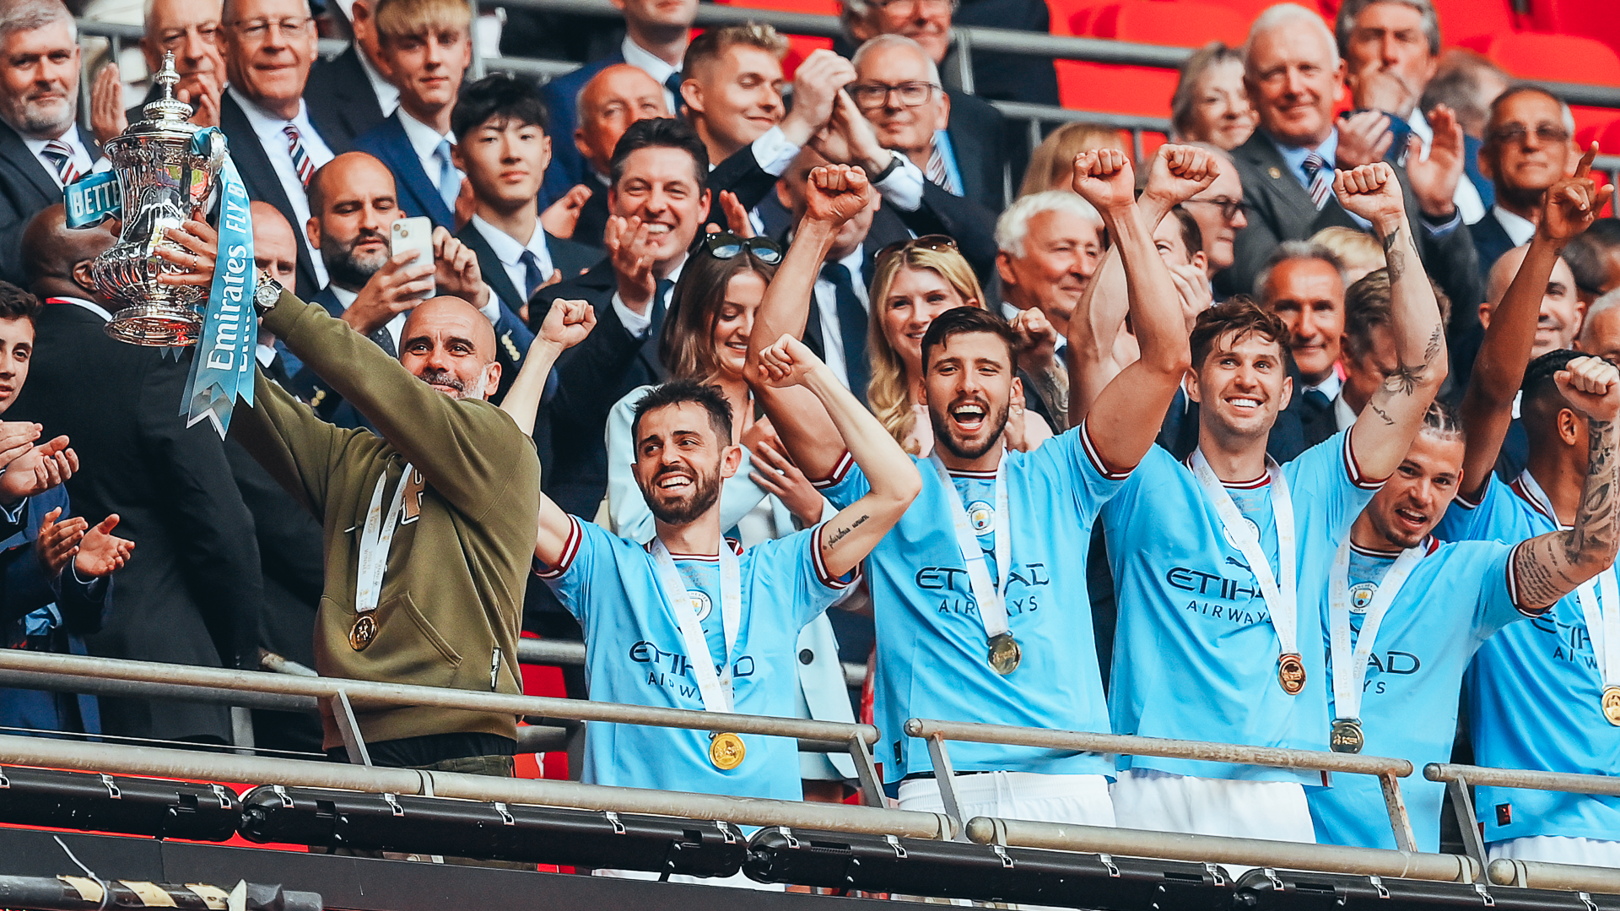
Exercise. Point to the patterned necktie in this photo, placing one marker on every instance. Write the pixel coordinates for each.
(851, 327)
(939, 173)
(59, 155)
(533, 277)
(300, 158)
(384, 340)
(449, 183)
(1321, 177)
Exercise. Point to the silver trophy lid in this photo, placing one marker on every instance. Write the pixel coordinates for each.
(167, 113)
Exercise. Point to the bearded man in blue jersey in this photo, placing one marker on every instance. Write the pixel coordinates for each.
(1543, 695)
(979, 592)
(1211, 644)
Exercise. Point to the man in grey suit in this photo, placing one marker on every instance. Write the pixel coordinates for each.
(1287, 165)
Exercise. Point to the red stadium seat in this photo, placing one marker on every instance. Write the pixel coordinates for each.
(1143, 90)
(1586, 18)
(799, 46)
(1464, 19)
(1556, 58)
(1073, 17)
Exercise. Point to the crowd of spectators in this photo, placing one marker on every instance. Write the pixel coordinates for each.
(1351, 254)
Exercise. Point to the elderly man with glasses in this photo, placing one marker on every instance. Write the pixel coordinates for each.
(1527, 148)
(188, 29)
(278, 143)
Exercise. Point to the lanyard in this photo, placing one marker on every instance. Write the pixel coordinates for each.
(714, 689)
(375, 537)
(1349, 680)
(1282, 602)
(991, 597)
(1602, 618)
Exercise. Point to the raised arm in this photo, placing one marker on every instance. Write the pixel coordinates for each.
(835, 195)
(1487, 407)
(848, 537)
(1173, 178)
(1549, 567)
(566, 325)
(1127, 413)
(1380, 440)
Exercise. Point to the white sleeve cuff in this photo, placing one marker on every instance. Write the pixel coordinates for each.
(637, 324)
(492, 310)
(903, 188)
(774, 152)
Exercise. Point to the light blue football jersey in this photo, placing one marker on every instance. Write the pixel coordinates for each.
(1533, 695)
(634, 654)
(1457, 597)
(1195, 654)
(932, 660)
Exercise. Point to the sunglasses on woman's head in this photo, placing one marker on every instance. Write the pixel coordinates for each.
(938, 243)
(725, 245)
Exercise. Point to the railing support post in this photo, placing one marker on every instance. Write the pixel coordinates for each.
(349, 728)
(945, 777)
(1463, 806)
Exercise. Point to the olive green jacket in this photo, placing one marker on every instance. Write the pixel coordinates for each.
(452, 596)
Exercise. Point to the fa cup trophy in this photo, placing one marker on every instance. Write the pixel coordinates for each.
(164, 177)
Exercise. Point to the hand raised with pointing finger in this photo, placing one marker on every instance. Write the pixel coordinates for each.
(1572, 203)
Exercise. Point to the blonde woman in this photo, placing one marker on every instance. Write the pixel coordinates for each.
(1051, 165)
(912, 283)
(1210, 104)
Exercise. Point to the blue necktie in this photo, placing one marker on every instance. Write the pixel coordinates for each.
(851, 328)
(449, 183)
(533, 277)
(673, 83)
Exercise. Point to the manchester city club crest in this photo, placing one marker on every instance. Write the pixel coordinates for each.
(1254, 531)
(982, 515)
(1360, 596)
(701, 605)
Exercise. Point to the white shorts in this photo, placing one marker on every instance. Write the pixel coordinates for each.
(1075, 799)
(1557, 849)
(1166, 802)
(734, 881)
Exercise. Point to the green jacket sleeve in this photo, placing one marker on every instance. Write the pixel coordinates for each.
(464, 448)
(297, 448)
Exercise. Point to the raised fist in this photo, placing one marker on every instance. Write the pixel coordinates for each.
(1370, 191)
(837, 193)
(1105, 179)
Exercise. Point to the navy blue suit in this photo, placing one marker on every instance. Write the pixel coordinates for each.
(568, 167)
(416, 193)
(1491, 241)
(50, 615)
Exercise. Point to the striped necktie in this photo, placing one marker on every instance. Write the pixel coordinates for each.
(60, 157)
(300, 158)
(939, 174)
(1321, 179)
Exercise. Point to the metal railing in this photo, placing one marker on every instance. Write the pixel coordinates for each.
(565, 653)
(1525, 873)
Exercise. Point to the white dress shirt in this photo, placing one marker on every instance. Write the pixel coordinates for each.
(1518, 229)
(654, 66)
(1467, 196)
(832, 337)
(1329, 387)
(637, 324)
(424, 142)
(1343, 417)
(387, 94)
(268, 128)
(510, 252)
(81, 156)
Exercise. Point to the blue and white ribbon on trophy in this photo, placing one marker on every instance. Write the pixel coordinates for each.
(222, 365)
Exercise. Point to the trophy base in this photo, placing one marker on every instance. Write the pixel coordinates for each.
(156, 325)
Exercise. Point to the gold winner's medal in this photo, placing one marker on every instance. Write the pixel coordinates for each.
(363, 631)
(1005, 654)
(1346, 736)
(1291, 673)
(1611, 704)
(726, 751)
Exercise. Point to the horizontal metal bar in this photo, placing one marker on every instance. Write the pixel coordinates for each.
(123, 760)
(1252, 852)
(1530, 874)
(142, 689)
(276, 664)
(564, 653)
(1524, 778)
(1122, 744)
(371, 694)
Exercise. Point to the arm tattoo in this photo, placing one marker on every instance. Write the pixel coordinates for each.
(1395, 256)
(1551, 566)
(1436, 339)
(832, 540)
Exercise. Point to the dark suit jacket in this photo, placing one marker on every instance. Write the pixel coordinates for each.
(569, 258)
(25, 189)
(593, 218)
(261, 181)
(1280, 209)
(591, 378)
(978, 137)
(1007, 77)
(417, 194)
(340, 96)
(567, 166)
(1490, 242)
(193, 594)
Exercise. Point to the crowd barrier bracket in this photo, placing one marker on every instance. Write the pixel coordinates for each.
(349, 727)
(1463, 806)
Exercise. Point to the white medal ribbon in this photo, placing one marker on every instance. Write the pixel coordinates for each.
(1282, 602)
(1602, 616)
(991, 597)
(1349, 680)
(713, 687)
(375, 538)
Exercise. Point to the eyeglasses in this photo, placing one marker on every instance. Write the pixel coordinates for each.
(871, 95)
(1516, 132)
(726, 245)
(891, 5)
(173, 38)
(938, 243)
(1229, 207)
(258, 29)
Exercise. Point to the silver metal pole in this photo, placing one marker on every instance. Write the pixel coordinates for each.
(563, 653)
(477, 55)
(127, 760)
(1523, 778)
(1531, 874)
(1316, 760)
(363, 694)
(1250, 852)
